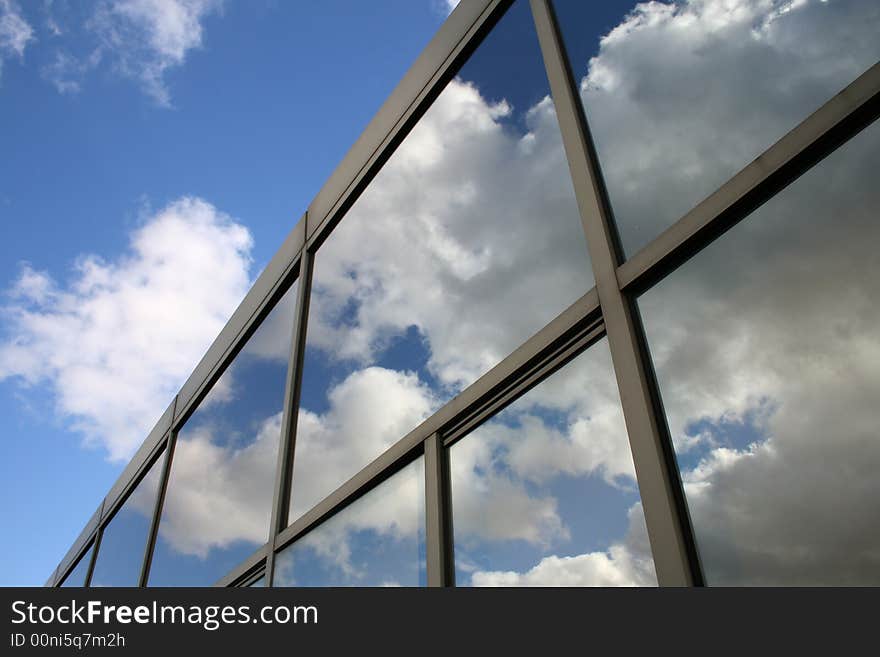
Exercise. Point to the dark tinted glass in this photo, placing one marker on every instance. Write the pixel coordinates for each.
(768, 356)
(682, 96)
(77, 576)
(124, 540)
(544, 494)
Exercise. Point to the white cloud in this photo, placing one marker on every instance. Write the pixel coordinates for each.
(116, 340)
(623, 564)
(447, 239)
(145, 38)
(67, 72)
(672, 74)
(370, 410)
(394, 511)
(15, 31)
(220, 494)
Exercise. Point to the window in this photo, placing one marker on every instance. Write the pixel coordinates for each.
(424, 285)
(124, 538)
(544, 494)
(681, 96)
(768, 358)
(220, 489)
(378, 540)
(77, 576)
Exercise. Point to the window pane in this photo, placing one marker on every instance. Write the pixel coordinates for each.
(259, 582)
(121, 553)
(768, 357)
(680, 97)
(544, 494)
(423, 286)
(378, 540)
(219, 498)
(77, 576)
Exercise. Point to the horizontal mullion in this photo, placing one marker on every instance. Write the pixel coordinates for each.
(566, 352)
(405, 449)
(244, 568)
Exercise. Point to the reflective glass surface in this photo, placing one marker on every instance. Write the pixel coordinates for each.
(544, 494)
(682, 96)
(77, 576)
(768, 357)
(219, 498)
(378, 540)
(124, 540)
(464, 245)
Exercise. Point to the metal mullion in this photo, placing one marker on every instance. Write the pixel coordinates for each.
(99, 532)
(382, 468)
(505, 393)
(289, 416)
(676, 560)
(440, 559)
(170, 444)
(252, 563)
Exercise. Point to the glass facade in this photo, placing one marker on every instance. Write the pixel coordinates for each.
(544, 493)
(766, 351)
(77, 576)
(418, 291)
(378, 540)
(124, 539)
(594, 305)
(219, 497)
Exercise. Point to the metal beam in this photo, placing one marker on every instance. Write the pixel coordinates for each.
(290, 412)
(157, 510)
(440, 559)
(672, 544)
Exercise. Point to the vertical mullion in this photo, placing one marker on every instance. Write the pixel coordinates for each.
(674, 550)
(170, 443)
(98, 534)
(292, 387)
(438, 506)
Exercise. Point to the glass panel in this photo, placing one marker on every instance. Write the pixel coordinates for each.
(219, 501)
(544, 494)
(259, 582)
(77, 576)
(121, 553)
(423, 286)
(681, 96)
(768, 357)
(378, 540)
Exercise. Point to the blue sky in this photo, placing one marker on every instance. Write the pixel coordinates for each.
(260, 113)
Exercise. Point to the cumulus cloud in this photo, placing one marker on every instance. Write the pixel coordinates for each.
(370, 410)
(115, 341)
(145, 38)
(673, 73)
(627, 563)
(15, 31)
(393, 513)
(466, 223)
(221, 494)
